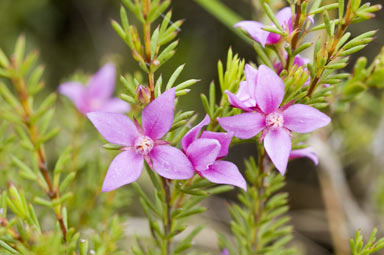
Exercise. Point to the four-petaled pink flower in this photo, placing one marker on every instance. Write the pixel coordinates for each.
(255, 29)
(97, 96)
(205, 151)
(142, 143)
(276, 122)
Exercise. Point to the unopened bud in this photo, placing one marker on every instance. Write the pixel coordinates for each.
(143, 94)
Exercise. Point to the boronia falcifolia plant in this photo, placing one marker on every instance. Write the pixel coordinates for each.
(275, 105)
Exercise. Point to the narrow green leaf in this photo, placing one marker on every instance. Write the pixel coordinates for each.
(174, 76)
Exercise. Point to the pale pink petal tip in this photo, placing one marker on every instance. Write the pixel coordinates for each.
(306, 152)
(255, 30)
(124, 169)
(277, 143)
(225, 172)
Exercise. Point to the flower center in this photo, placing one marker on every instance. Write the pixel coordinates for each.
(143, 145)
(274, 120)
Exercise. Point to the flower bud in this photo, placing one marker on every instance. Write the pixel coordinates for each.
(143, 94)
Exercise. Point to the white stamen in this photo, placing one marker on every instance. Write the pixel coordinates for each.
(274, 120)
(143, 145)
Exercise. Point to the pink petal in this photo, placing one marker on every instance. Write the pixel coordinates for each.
(269, 90)
(225, 172)
(278, 146)
(76, 92)
(102, 83)
(203, 152)
(157, 117)
(171, 162)
(302, 118)
(193, 133)
(273, 38)
(306, 152)
(235, 101)
(223, 138)
(115, 105)
(254, 29)
(284, 16)
(115, 127)
(300, 61)
(125, 168)
(251, 78)
(245, 125)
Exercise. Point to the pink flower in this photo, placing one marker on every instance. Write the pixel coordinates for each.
(97, 96)
(205, 152)
(255, 29)
(274, 121)
(142, 143)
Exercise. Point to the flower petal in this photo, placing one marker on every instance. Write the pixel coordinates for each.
(306, 152)
(225, 172)
(158, 115)
(251, 78)
(125, 168)
(115, 105)
(102, 83)
(171, 163)
(223, 138)
(273, 38)
(284, 17)
(193, 133)
(300, 61)
(76, 92)
(245, 125)
(269, 90)
(235, 101)
(278, 145)
(203, 152)
(302, 118)
(115, 127)
(254, 29)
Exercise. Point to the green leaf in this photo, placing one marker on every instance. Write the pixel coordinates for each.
(154, 42)
(174, 76)
(4, 62)
(8, 248)
(272, 16)
(124, 18)
(19, 50)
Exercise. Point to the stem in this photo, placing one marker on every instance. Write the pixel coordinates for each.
(52, 193)
(258, 207)
(296, 25)
(167, 219)
(147, 44)
(12, 231)
(331, 50)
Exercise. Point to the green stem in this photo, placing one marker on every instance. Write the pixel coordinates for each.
(167, 218)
